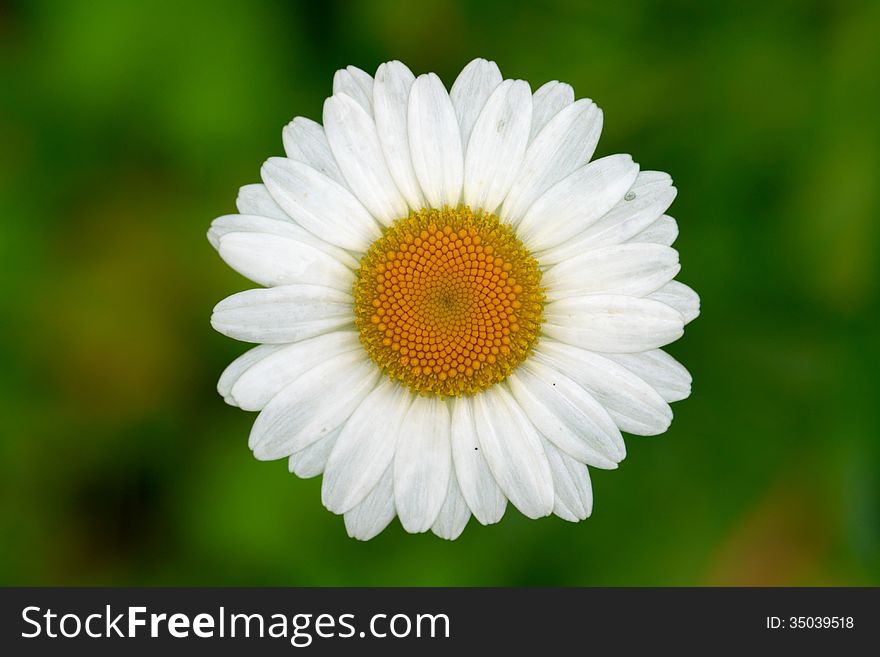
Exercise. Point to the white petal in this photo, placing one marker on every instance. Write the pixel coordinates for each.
(241, 223)
(320, 205)
(435, 142)
(271, 260)
(633, 405)
(630, 269)
(571, 483)
(549, 99)
(355, 145)
(365, 448)
(663, 231)
(246, 223)
(681, 297)
(356, 83)
(422, 464)
(576, 202)
(237, 368)
(659, 370)
(470, 91)
(282, 314)
(648, 198)
(613, 323)
(305, 141)
(513, 450)
(313, 406)
(566, 143)
(256, 200)
(310, 461)
(390, 103)
(567, 415)
(454, 514)
(262, 380)
(375, 512)
(478, 485)
(497, 145)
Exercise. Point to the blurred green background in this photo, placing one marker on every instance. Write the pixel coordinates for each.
(126, 127)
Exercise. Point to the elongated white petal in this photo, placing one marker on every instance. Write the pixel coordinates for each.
(252, 223)
(454, 514)
(374, 512)
(548, 100)
(355, 145)
(612, 323)
(271, 260)
(434, 142)
(663, 231)
(478, 485)
(312, 406)
(633, 404)
(305, 141)
(282, 314)
(470, 91)
(355, 83)
(567, 415)
(390, 105)
(365, 448)
(571, 484)
(659, 370)
(497, 145)
(264, 379)
(564, 144)
(256, 200)
(422, 464)
(237, 368)
(576, 202)
(630, 269)
(648, 198)
(681, 297)
(266, 227)
(513, 450)
(310, 461)
(319, 204)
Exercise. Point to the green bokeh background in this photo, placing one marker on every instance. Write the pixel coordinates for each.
(126, 127)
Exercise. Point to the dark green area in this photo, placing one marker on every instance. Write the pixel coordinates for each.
(126, 127)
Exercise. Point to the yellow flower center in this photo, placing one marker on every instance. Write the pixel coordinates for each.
(448, 302)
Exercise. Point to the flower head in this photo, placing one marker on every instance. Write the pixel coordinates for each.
(460, 309)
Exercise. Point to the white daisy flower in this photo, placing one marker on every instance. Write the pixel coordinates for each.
(460, 309)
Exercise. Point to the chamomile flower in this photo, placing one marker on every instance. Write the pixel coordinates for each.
(459, 309)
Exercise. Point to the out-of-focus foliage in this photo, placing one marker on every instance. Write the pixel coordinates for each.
(126, 127)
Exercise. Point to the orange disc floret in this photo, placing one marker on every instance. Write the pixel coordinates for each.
(448, 302)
